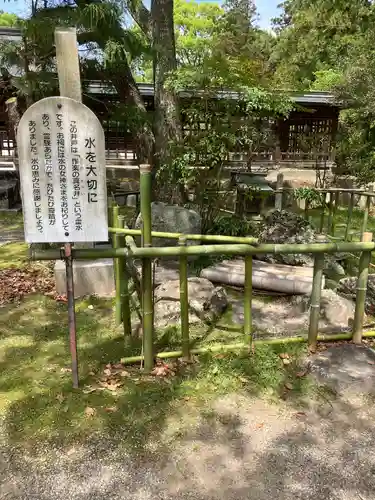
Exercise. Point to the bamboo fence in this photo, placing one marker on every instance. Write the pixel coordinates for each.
(124, 251)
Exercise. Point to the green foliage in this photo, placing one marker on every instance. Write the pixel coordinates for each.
(316, 36)
(195, 26)
(8, 20)
(325, 45)
(212, 40)
(356, 151)
(326, 80)
(311, 196)
(215, 129)
(232, 225)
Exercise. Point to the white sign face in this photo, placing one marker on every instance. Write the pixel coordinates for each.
(62, 170)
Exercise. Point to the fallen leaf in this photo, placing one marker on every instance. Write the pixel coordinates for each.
(111, 409)
(90, 412)
(60, 398)
(62, 298)
(301, 374)
(288, 386)
(89, 389)
(107, 372)
(111, 385)
(118, 366)
(284, 355)
(65, 370)
(124, 373)
(286, 361)
(160, 370)
(300, 414)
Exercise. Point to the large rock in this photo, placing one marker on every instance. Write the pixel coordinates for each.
(345, 367)
(347, 287)
(172, 219)
(206, 302)
(282, 226)
(335, 311)
(285, 316)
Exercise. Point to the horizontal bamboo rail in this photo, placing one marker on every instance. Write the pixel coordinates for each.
(245, 347)
(330, 190)
(196, 237)
(240, 249)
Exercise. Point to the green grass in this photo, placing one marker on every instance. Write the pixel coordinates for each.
(13, 255)
(39, 407)
(341, 218)
(11, 221)
(40, 410)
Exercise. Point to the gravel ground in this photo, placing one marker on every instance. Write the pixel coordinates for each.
(242, 449)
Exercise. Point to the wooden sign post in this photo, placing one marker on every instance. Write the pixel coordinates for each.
(62, 171)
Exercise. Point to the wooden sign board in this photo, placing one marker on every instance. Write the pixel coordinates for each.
(62, 171)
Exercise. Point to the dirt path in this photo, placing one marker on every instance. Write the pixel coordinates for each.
(239, 449)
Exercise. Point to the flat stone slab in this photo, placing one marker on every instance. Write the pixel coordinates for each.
(345, 366)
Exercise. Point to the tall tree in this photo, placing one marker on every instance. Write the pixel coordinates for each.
(195, 26)
(167, 125)
(316, 36)
(101, 30)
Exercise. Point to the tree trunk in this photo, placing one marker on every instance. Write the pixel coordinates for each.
(167, 125)
(14, 116)
(119, 73)
(129, 94)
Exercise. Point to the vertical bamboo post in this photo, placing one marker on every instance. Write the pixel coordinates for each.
(248, 300)
(350, 213)
(109, 209)
(315, 300)
(335, 205)
(360, 301)
(306, 210)
(321, 225)
(147, 303)
(124, 282)
(184, 302)
(330, 213)
(117, 268)
(365, 216)
(279, 192)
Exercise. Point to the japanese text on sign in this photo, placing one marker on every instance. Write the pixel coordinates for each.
(61, 152)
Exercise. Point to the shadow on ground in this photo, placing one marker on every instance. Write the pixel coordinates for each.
(40, 408)
(211, 432)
